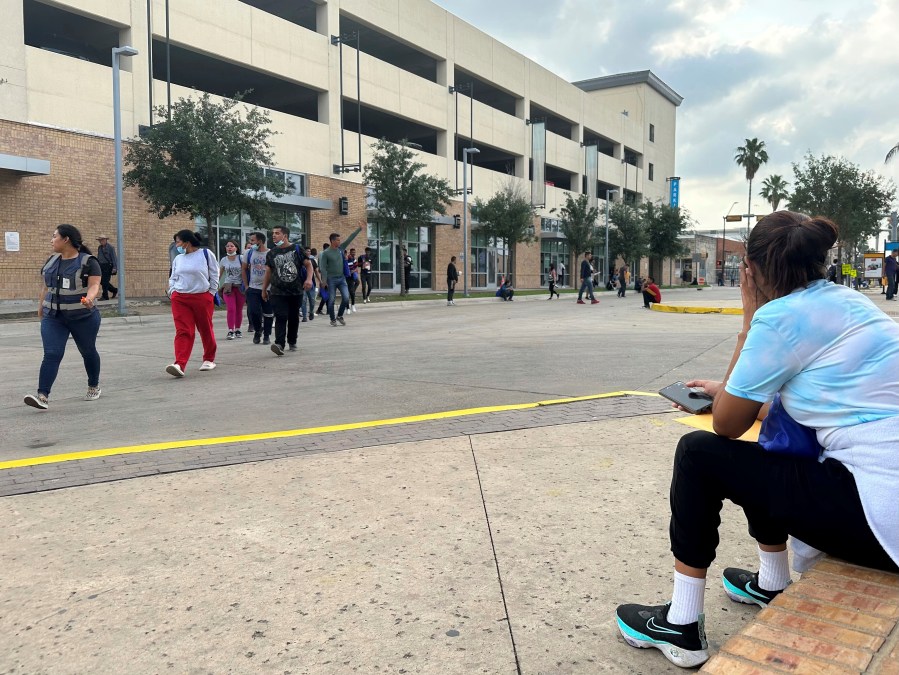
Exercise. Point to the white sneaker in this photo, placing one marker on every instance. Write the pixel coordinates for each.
(175, 370)
(93, 393)
(207, 365)
(353, 308)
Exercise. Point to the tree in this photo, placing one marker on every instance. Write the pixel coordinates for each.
(836, 188)
(751, 157)
(628, 238)
(205, 161)
(664, 225)
(774, 190)
(892, 153)
(403, 195)
(577, 221)
(507, 215)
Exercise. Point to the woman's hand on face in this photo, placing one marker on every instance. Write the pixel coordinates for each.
(750, 294)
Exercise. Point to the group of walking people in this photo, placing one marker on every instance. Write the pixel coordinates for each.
(277, 286)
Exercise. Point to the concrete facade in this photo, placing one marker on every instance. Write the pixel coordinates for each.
(60, 94)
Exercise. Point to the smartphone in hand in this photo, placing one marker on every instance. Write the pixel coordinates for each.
(691, 400)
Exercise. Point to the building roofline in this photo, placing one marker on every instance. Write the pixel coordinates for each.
(625, 79)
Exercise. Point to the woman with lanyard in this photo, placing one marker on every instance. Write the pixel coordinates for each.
(231, 273)
(71, 285)
(192, 288)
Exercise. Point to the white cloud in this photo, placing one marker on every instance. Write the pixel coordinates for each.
(802, 75)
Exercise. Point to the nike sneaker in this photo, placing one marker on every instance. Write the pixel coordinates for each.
(743, 586)
(644, 626)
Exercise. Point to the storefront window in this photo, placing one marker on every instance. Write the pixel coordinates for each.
(489, 260)
(239, 227)
(386, 252)
(554, 252)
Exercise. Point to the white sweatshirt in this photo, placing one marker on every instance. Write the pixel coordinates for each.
(196, 272)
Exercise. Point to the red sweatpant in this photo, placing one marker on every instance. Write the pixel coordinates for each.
(192, 312)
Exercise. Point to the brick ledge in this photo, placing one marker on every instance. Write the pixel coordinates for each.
(838, 618)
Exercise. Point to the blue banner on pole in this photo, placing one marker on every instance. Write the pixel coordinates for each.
(674, 192)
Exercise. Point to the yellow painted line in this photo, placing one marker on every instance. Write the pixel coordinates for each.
(291, 433)
(683, 309)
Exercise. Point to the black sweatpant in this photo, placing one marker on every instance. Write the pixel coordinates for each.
(366, 285)
(450, 289)
(780, 494)
(287, 318)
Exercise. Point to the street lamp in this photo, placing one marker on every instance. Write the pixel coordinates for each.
(465, 153)
(605, 262)
(117, 126)
(724, 243)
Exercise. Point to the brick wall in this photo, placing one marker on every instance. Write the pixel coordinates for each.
(80, 190)
(322, 223)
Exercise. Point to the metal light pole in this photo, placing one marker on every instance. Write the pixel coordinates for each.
(724, 243)
(605, 262)
(118, 52)
(465, 153)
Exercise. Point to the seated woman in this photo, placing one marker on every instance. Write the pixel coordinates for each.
(506, 292)
(835, 376)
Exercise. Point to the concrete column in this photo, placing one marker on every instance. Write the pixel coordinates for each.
(13, 98)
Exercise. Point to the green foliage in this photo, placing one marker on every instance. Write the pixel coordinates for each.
(892, 153)
(751, 157)
(628, 237)
(507, 215)
(205, 161)
(403, 195)
(774, 190)
(664, 225)
(577, 221)
(836, 188)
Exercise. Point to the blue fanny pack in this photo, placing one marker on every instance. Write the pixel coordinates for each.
(781, 433)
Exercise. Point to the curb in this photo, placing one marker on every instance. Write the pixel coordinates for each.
(680, 309)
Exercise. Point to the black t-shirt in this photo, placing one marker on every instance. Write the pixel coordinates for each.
(363, 263)
(287, 270)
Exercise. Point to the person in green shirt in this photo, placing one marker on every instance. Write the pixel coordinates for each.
(333, 275)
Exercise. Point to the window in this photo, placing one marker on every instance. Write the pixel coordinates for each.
(239, 227)
(489, 260)
(554, 252)
(652, 133)
(652, 171)
(386, 251)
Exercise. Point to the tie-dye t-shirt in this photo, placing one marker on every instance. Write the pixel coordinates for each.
(831, 353)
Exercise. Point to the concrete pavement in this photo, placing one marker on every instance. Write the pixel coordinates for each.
(423, 557)
(490, 543)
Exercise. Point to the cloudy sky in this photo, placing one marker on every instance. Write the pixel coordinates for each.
(801, 75)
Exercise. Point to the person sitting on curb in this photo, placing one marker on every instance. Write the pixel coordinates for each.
(841, 495)
(651, 292)
(505, 291)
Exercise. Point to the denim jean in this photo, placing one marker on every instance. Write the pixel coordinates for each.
(335, 284)
(586, 285)
(308, 301)
(260, 315)
(55, 333)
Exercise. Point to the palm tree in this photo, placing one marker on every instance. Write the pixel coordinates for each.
(751, 157)
(774, 190)
(892, 153)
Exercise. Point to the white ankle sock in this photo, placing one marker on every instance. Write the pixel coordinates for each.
(774, 570)
(687, 600)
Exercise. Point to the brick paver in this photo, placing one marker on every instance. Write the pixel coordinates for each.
(838, 618)
(118, 467)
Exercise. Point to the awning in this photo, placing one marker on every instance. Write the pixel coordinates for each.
(24, 166)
